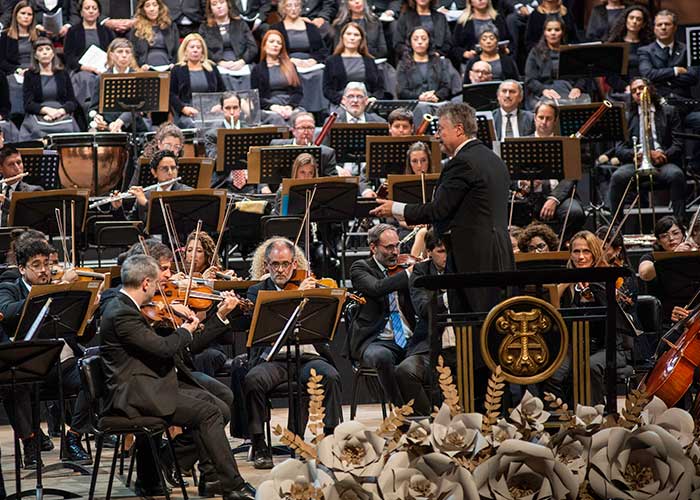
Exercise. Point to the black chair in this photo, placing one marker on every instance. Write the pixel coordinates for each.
(280, 225)
(650, 314)
(116, 234)
(94, 383)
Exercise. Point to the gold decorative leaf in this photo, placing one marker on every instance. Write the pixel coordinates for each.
(635, 402)
(560, 409)
(317, 411)
(396, 419)
(288, 438)
(448, 388)
(494, 395)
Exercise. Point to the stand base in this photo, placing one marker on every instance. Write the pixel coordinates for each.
(39, 493)
(72, 466)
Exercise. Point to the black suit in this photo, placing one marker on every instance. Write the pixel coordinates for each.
(526, 123)
(260, 79)
(657, 66)
(412, 83)
(13, 296)
(364, 343)
(667, 124)
(317, 47)
(326, 9)
(74, 46)
(241, 39)
(9, 48)
(192, 9)
(369, 117)
(21, 187)
(335, 79)
(471, 203)
(141, 46)
(180, 85)
(264, 376)
(440, 38)
(34, 95)
(465, 38)
(254, 9)
(142, 381)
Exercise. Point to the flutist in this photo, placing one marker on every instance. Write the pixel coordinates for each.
(12, 170)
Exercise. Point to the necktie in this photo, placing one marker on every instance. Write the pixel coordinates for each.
(396, 325)
(239, 178)
(509, 125)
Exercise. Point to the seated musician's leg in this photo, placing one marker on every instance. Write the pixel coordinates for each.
(239, 418)
(80, 416)
(332, 400)
(259, 381)
(383, 356)
(18, 407)
(413, 374)
(618, 183)
(210, 361)
(672, 176)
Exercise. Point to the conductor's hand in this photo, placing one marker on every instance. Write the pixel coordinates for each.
(678, 313)
(383, 209)
(548, 209)
(227, 305)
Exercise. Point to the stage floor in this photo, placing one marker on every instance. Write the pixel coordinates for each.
(80, 484)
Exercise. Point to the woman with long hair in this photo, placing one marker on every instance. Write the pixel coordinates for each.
(423, 13)
(422, 75)
(542, 67)
(276, 79)
(503, 66)
(16, 49)
(80, 37)
(359, 11)
(633, 27)
(229, 40)
(603, 17)
(194, 72)
(538, 18)
(154, 37)
(477, 16)
(418, 159)
(304, 167)
(120, 59)
(351, 62)
(49, 101)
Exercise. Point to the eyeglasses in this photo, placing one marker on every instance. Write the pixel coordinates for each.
(354, 97)
(540, 247)
(279, 266)
(670, 234)
(39, 266)
(304, 128)
(390, 248)
(481, 71)
(168, 168)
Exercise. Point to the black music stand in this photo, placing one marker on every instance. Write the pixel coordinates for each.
(481, 96)
(387, 155)
(485, 129)
(188, 208)
(271, 164)
(348, 139)
(545, 260)
(279, 320)
(42, 167)
(386, 106)
(334, 201)
(233, 145)
(530, 158)
(37, 209)
(194, 172)
(409, 188)
(591, 60)
(29, 363)
(611, 127)
(692, 45)
(67, 315)
(677, 278)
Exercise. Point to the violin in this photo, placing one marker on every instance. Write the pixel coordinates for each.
(403, 261)
(84, 273)
(201, 297)
(300, 275)
(157, 315)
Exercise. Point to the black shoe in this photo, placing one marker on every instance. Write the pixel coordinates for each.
(109, 441)
(46, 443)
(170, 473)
(209, 488)
(150, 490)
(74, 451)
(262, 458)
(29, 446)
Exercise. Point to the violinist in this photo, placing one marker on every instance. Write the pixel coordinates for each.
(33, 262)
(263, 377)
(585, 252)
(206, 261)
(378, 337)
(149, 374)
(164, 168)
(537, 238)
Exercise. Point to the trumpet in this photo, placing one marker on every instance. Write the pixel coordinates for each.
(124, 196)
(647, 166)
(423, 127)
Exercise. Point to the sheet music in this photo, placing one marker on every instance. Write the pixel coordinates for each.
(311, 68)
(53, 22)
(19, 78)
(95, 57)
(244, 71)
(162, 68)
(453, 15)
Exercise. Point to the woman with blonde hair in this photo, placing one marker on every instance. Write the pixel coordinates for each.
(304, 167)
(194, 72)
(154, 37)
(276, 79)
(120, 59)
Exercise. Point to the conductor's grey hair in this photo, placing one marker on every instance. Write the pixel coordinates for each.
(460, 114)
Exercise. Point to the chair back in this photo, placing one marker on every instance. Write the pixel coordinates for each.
(92, 377)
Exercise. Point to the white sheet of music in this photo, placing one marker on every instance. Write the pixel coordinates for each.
(95, 57)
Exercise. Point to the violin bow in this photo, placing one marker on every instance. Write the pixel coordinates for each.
(224, 223)
(72, 231)
(192, 259)
(173, 229)
(566, 218)
(168, 309)
(422, 186)
(617, 231)
(62, 235)
(309, 201)
(166, 221)
(617, 211)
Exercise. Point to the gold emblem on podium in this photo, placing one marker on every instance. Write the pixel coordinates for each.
(527, 337)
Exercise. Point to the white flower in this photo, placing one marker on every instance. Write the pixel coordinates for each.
(588, 416)
(458, 434)
(530, 413)
(347, 489)
(291, 480)
(524, 471)
(572, 451)
(418, 434)
(351, 448)
(429, 477)
(675, 420)
(646, 463)
(502, 431)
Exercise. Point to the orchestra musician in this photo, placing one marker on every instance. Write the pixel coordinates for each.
(10, 166)
(264, 376)
(33, 261)
(400, 122)
(537, 238)
(304, 167)
(147, 377)
(509, 119)
(164, 168)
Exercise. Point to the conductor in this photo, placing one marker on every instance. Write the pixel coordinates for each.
(469, 208)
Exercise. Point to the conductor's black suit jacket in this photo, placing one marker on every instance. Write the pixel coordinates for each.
(368, 280)
(139, 364)
(471, 205)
